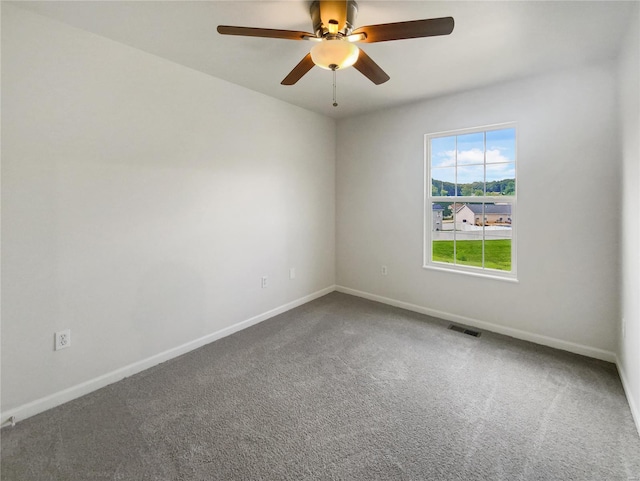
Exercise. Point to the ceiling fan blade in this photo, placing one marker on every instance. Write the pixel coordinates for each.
(430, 27)
(367, 67)
(263, 32)
(332, 10)
(299, 70)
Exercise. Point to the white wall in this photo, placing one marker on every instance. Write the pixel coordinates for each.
(141, 204)
(629, 341)
(567, 295)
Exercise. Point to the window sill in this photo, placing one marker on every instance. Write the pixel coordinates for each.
(473, 273)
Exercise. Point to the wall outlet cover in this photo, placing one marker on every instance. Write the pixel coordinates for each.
(62, 339)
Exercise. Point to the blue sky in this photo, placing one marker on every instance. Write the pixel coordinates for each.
(468, 161)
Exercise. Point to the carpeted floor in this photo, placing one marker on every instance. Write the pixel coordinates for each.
(342, 388)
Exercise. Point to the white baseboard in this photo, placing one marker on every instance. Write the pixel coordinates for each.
(507, 331)
(40, 405)
(633, 405)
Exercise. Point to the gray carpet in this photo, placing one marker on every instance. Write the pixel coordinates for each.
(342, 388)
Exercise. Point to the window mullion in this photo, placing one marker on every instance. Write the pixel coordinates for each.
(455, 204)
(484, 190)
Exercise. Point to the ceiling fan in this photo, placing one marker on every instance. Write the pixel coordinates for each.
(333, 24)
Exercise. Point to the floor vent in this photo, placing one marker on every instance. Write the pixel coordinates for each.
(464, 330)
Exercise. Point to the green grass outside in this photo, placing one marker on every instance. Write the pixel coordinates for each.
(497, 253)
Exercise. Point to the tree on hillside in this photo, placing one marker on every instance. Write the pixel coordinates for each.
(494, 187)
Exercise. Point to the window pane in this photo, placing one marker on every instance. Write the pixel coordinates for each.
(501, 179)
(501, 146)
(442, 233)
(443, 152)
(471, 180)
(471, 149)
(469, 234)
(443, 181)
(497, 234)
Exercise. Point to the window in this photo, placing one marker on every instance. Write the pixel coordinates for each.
(470, 184)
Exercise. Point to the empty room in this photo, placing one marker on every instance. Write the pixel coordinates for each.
(320, 240)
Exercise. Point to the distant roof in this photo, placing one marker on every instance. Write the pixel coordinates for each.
(489, 208)
(436, 207)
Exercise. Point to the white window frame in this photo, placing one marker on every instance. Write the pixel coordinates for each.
(428, 262)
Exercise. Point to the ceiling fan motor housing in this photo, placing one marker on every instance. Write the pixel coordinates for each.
(321, 29)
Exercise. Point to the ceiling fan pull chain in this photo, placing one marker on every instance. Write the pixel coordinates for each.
(335, 102)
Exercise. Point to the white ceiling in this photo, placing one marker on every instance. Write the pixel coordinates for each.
(491, 42)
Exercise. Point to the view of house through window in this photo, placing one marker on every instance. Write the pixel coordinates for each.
(471, 200)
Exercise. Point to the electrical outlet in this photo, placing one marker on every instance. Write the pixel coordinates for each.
(62, 339)
(292, 273)
(624, 328)
(264, 282)
(384, 270)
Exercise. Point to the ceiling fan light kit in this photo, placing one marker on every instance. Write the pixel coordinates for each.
(333, 54)
(333, 25)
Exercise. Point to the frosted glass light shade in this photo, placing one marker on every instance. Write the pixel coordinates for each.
(336, 52)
